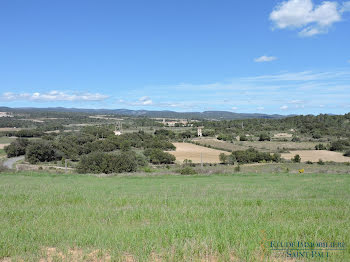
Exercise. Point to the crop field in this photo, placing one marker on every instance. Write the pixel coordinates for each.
(267, 146)
(316, 155)
(193, 152)
(169, 218)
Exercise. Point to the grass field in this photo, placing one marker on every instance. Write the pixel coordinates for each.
(169, 218)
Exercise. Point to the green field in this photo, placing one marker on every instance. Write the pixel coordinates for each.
(170, 218)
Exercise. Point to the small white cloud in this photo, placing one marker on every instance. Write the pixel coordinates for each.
(260, 108)
(345, 7)
(284, 107)
(53, 96)
(234, 108)
(310, 19)
(145, 100)
(265, 59)
(296, 102)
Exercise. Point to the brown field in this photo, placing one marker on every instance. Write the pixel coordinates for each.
(3, 145)
(266, 146)
(315, 155)
(193, 152)
(5, 129)
(282, 135)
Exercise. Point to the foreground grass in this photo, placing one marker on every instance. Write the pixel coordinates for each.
(175, 218)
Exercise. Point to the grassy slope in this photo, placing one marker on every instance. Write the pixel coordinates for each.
(176, 217)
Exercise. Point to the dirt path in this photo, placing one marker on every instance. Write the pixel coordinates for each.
(11, 161)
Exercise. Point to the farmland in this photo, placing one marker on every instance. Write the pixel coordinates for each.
(266, 146)
(316, 155)
(169, 218)
(193, 152)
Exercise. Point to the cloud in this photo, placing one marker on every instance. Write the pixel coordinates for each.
(260, 108)
(285, 107)
(265, 59)
(142, 101)
(234, 108)
(53, 96)
(145, 100)
(345, 7)
(308, 18)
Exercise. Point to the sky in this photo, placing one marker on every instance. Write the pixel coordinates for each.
(273, 57)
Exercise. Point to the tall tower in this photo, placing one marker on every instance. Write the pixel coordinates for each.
(199, 131)
(118, 128)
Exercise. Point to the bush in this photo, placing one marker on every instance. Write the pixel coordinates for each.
(243, 138)
(347, 153)
(264, 137)
(320, 147)
(237, 168)
(253, 156)
(99, 162)
(295, 139)
(187, 171)
(320, 162)
(42, 152)
(337, 146)
(296, 159)
(309, 162)
(17, 147)
(157, 156)
(223, 158)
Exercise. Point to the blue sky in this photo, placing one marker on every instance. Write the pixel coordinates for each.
(285, 57)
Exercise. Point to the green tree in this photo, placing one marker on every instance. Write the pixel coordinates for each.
(296, 159)
(223, 158)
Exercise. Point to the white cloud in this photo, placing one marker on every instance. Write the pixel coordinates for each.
(284, 107)
(234, 108)
(53, 96)
(345, 7)
(145, 100)
(310, 19)
(260, 108)
(296, 102)
(265, 59)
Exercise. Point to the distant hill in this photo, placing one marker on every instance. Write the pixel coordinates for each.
(148, 113)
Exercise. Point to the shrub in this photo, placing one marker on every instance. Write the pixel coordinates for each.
(157, 156)
(264, 137)
(223, 158)
(337, 146)
(295, 139)
(320, 147)
(316, 135)
(237, 168)
(296, 159)
(253, 156)
(99, 162)
(187, 171)
(320, 162)
(17, 147)
(42, 152)
(243, 138)
(347, 153)
(309, 162)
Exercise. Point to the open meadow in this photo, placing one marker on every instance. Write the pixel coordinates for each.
(169, 218)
